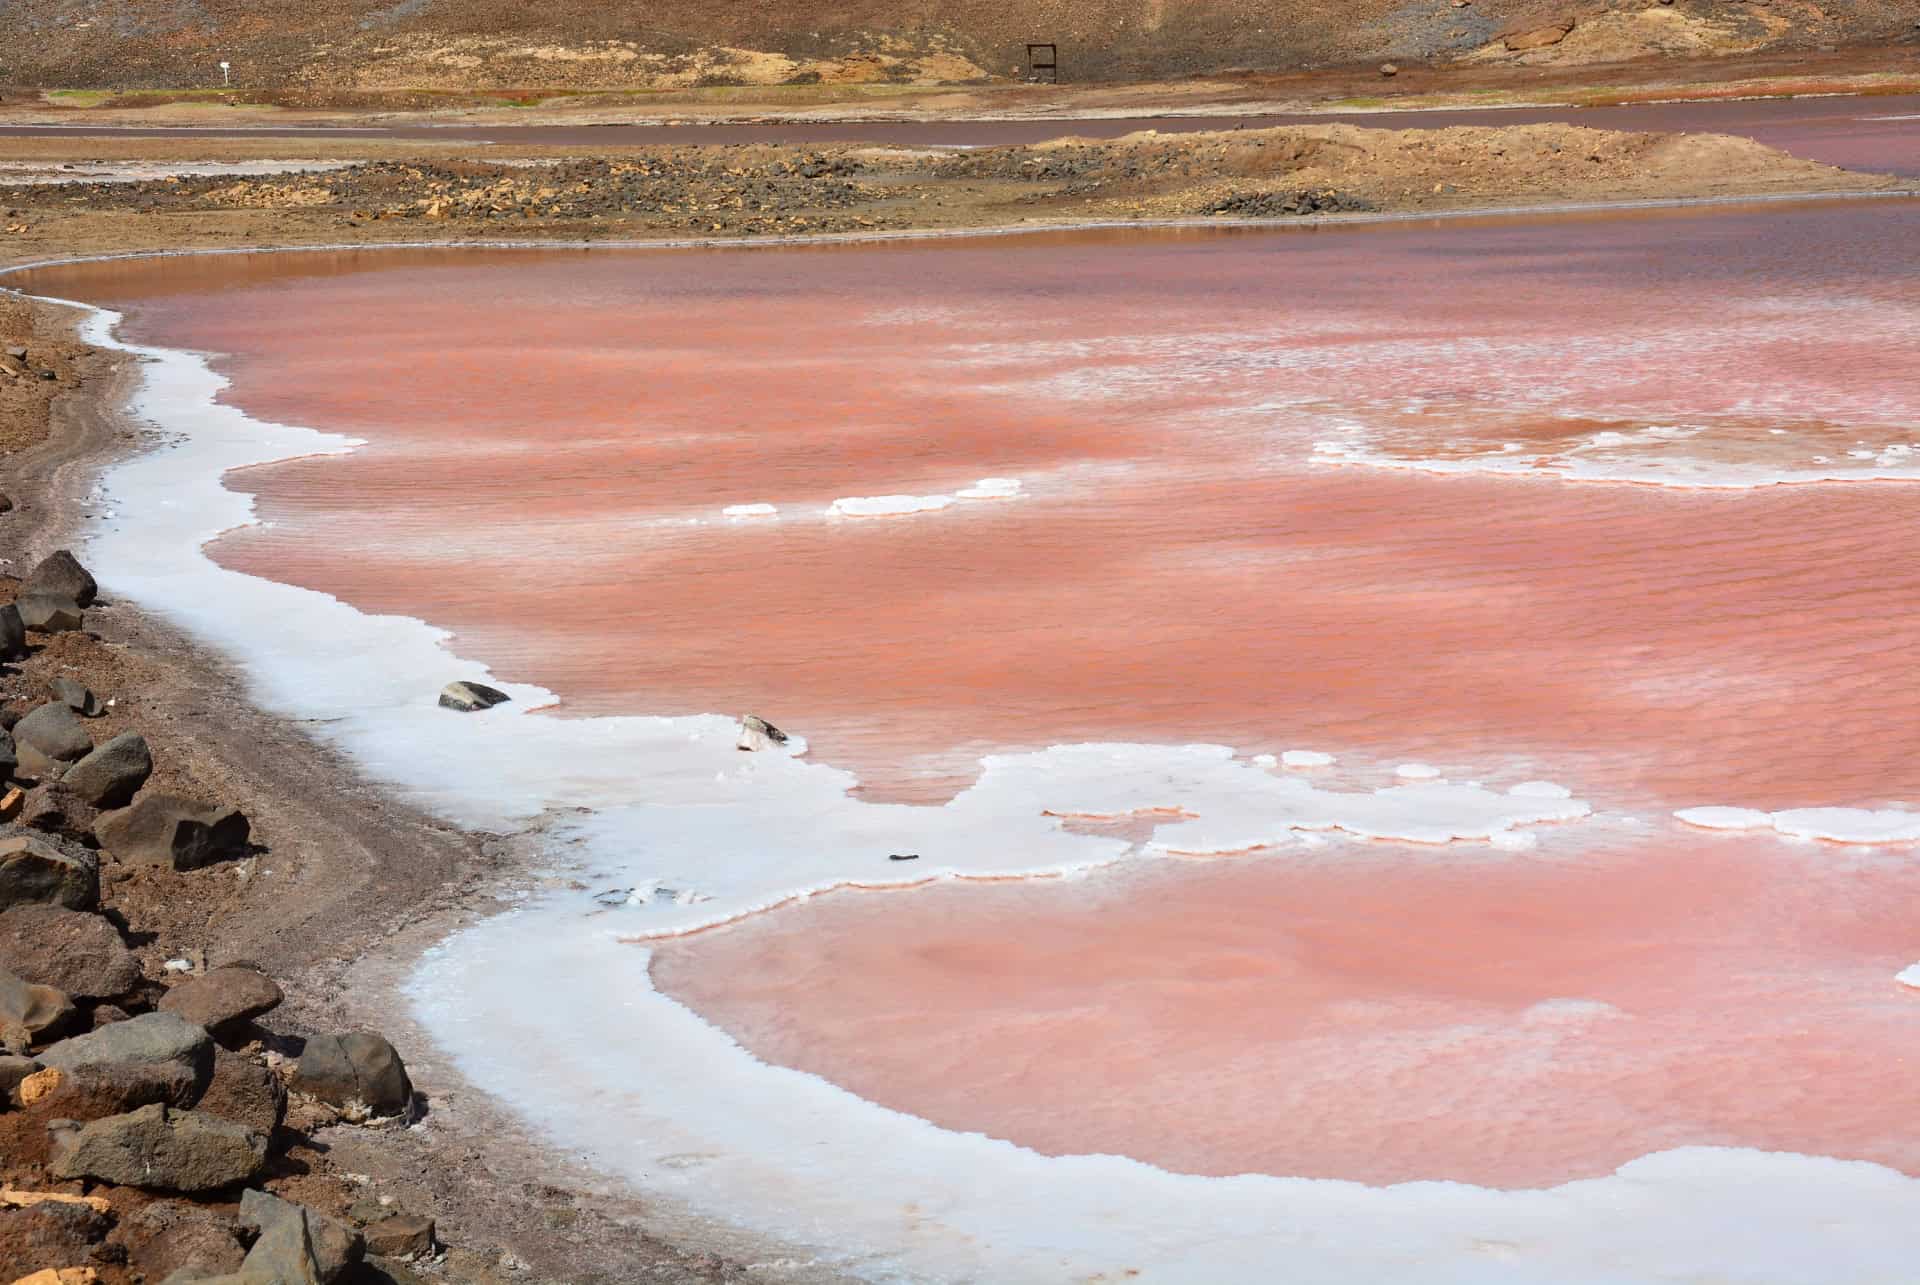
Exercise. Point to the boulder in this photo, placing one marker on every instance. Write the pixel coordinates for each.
(354, 1071)
(289, 1233)
(36, 870)
(78, 697)
(9, 757)
(52, 808)
(78, 953)
(157, 1147)
(13, 633)
(244, 1092)
(468, 697)
(150, 1040)
(98, 1091)
(49, 1235)
(173, 1236)
(224, 997)
(111, 775)
(61, 573)
(49, 613)
(166, 830)
(28, 1011)
(400, 1236)
(31, 765)
(54, 730)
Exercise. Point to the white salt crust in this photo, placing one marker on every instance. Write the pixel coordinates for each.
(749, 511)
(895, 506)
(697, 832)
(1909, 976)
(1835, 825)
(1306, 758)
(1651, 456)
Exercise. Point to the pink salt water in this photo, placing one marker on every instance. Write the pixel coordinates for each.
(1214, 539)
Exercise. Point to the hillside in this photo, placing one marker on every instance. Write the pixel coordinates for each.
(342, 45)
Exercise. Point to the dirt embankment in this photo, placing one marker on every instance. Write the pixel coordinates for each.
(329, 46)
(764, 191)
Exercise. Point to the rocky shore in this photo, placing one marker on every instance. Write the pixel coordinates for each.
(191, 1088)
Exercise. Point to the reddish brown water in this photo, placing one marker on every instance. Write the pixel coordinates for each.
(553, 436)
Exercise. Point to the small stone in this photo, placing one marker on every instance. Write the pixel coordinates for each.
(223, 997)
(78, 697)
(78, 953)
(757, 733)
(54, 809)
(55, 731)
(166, 830)
(469, 697)
(356, 1070)
(61, 573)
(111, 775)
(13, 1069)
(400, 1236)
(11, 803)
(35, 870)
(1389, 70)
(158, 1148)
(49, 613)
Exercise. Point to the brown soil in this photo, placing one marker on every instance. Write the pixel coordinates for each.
(445, 194)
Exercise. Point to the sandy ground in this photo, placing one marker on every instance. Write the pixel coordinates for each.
(414, 191)
(353, 884)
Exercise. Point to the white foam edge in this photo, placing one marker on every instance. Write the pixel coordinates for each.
(1834, 825)
(787, 1152)
(749, 511)
(1572, 468)
(1909, 976)
(886, 506)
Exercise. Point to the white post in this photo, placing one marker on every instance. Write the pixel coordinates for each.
(226, 72)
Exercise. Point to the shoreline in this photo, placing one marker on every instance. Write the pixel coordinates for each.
(339, 828)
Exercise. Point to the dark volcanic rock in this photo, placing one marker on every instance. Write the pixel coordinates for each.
(160, 1148)
(222, 997)
(166, 830)
(111, 775)
(401, 1236)
(153, 1046)
(13, 1069)
(53, 1233)
(36, 870)
(78, 697)
(50, 613)
(54, 730)
(80, 954)
(94, 1092)
(61, 573)
(360, 1068)
(291, 1235)
(27, 1011)
(244, 1092)
(54, 809)
(13, 633)
(468, 697)
(170, 1236)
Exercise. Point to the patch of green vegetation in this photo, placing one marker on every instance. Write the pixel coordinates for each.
(77, 97)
